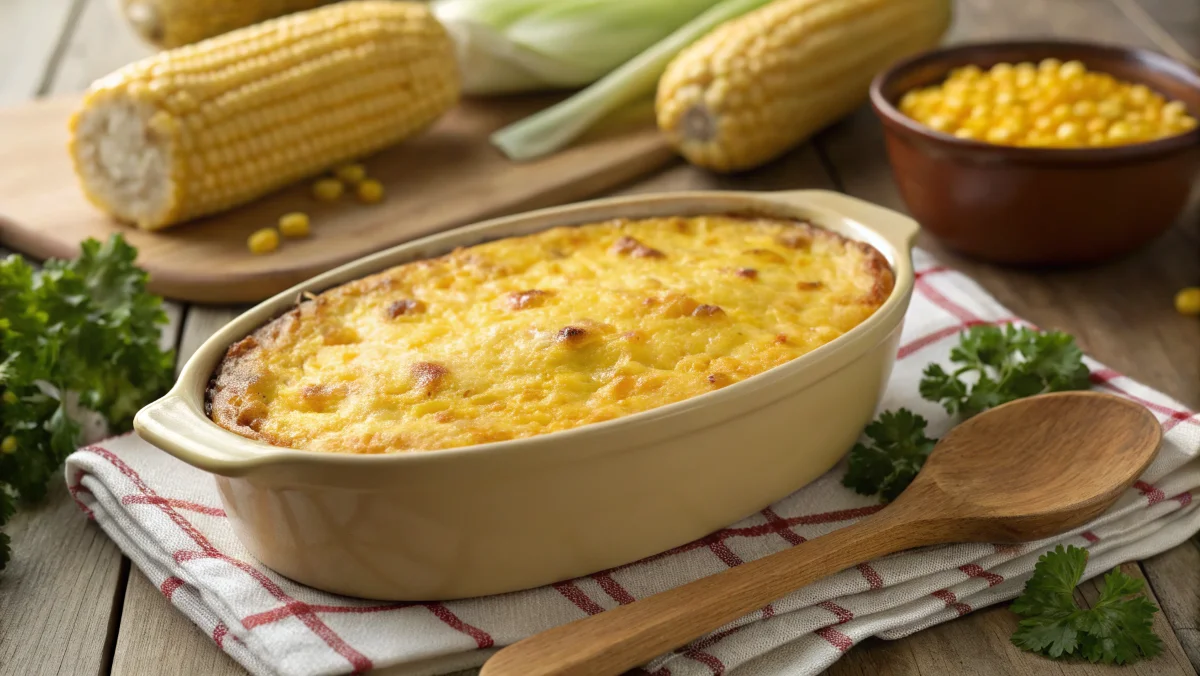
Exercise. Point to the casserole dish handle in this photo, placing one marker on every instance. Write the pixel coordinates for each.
(899, 230)
(171, 424)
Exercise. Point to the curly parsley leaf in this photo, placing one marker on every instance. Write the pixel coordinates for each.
(75, 334)
(896, 451)
(1115, 630)
(1007, 363)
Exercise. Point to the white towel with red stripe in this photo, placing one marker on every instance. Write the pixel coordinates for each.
(166, 517)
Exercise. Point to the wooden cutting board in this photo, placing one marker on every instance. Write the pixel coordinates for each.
(447, 177)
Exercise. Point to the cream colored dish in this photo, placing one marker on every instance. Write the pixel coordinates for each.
(510, 515)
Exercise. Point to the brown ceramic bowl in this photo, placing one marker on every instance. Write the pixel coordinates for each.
(1040, 206)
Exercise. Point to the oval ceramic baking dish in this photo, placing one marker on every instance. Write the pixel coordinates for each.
(511, 515)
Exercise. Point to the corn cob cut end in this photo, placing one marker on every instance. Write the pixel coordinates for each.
(124, 162)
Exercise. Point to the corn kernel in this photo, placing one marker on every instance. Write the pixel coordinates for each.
(263, 241)
(328, 189)
(965, 133)
(1043, 123)
(1067, 131)
(1138, 94)
(1096, 139)
(1173, 111)
(968, 72)
(1096, 125)
(351, 173)
(1083, 108)
(1001, 72)
(1072, 70)
(1185, 124)
(1060, 113)
(1187, 302)
(1119, 131)
(370, 191)
(1049, 65)
(1110, 108)
(294, 224)
(9, 445)
(1000, 135)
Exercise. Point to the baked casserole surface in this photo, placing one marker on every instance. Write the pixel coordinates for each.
(529, 335)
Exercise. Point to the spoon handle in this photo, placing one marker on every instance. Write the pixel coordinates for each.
(629, 636)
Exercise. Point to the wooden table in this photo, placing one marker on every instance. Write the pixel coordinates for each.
(71, 604)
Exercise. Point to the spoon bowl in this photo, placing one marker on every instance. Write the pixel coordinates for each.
(1022, 471)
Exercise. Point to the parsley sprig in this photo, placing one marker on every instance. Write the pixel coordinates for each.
(895, 453)
(1005, 364)
(1115, 630)
(78, 334)
(1009, 363)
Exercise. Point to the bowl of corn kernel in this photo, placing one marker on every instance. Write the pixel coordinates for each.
(1041, 153)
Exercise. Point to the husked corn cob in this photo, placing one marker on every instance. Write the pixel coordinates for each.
(760, 84)
(209, 126)
(173, 23)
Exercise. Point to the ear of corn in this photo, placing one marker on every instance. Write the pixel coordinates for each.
(761, 84)
(174, 23)
(203, 128)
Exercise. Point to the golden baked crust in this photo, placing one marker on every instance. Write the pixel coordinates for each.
(529, 335)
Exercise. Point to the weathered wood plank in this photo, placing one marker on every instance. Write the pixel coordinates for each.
(152, 629)
(101, 43)
(30, 39)
(58, 592)
(1175, 576)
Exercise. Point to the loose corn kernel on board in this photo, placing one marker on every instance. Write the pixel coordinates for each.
(528, 335)
(446, 177)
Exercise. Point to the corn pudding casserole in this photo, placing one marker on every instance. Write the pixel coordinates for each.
(529, 335)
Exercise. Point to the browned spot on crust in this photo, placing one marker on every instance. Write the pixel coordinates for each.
(881, 272)
(810, 286)
(766, 255)
(781, 338)
(252, 416)
(719, 379)
(404, 306)
(241, 348)
(628, 246)
(708, 311)
(429, 376)
(746, 273)
(521, 300)
(443, 416)
(572, 335)
(672, 304)
(799, 236)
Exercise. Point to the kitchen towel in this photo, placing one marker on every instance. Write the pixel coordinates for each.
(166, 516)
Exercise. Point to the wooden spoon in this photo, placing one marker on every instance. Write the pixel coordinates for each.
(1023, 471)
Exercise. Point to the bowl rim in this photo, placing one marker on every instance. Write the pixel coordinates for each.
(1144, 58)
(177, 424)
